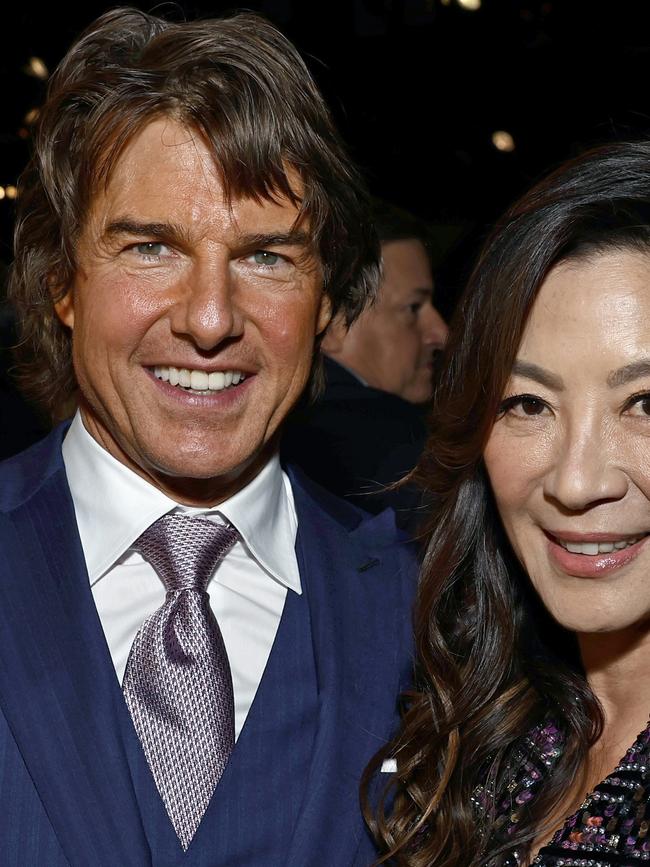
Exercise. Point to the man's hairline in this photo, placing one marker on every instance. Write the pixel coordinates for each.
(106, 172)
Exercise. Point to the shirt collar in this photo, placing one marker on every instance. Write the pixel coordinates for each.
(113, 506)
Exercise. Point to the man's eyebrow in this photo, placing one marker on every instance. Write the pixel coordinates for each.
(128, 226)
(293, 237)
(538, 374)
(630, 372)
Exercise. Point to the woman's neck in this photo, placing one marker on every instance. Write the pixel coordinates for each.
(617, 670)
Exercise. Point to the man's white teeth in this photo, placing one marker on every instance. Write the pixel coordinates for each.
(593, 548)
(199, 380)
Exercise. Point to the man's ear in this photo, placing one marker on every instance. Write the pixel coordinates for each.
(332, 342)
(324, 313)
(64, 307)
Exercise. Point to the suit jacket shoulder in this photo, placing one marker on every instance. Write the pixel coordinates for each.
(376, 531)
(22, 474)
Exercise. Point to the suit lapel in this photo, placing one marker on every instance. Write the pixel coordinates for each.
(355, 600)
(58, 688)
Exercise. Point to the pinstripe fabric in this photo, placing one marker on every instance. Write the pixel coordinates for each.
(78, 794)
(58, 690)
(26, 835)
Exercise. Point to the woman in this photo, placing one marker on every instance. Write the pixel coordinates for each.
(522, 744)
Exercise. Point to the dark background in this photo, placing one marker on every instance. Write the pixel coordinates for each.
(417, 88)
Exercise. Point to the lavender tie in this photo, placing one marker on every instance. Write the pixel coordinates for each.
(177, 683)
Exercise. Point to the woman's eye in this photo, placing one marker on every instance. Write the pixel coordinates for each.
(531, 406)
(522, 404)
(264, 257)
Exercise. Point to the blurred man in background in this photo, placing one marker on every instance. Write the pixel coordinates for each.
(367, 429)
(391, 346)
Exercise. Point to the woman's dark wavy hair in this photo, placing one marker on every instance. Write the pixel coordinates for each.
(491, 662)
(245, 89)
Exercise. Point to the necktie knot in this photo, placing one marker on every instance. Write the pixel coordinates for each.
(185, 551)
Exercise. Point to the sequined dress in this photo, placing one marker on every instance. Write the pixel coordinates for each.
(611, 826)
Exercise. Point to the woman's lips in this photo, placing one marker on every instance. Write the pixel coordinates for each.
(592, 565)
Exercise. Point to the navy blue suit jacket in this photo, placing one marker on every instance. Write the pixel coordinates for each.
(66, 792)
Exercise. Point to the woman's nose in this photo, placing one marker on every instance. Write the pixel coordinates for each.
(587, 468)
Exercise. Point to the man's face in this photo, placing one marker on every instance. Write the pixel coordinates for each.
(174, 283)
(391, 344)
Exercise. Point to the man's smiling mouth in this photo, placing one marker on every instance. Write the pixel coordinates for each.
(199, 380)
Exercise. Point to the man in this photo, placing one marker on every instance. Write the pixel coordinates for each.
(368, 425)
(390, 346)
(189, 225)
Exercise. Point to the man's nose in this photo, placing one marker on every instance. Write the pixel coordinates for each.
(433, 327)
(206, 309)
(587, 468)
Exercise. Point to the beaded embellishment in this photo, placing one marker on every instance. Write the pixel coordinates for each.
(611, 826)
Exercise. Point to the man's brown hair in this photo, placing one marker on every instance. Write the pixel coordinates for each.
(243, 87)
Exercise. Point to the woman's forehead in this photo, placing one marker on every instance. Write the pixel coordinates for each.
(590, 307)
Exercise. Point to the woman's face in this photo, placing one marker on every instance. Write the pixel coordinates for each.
(569, 457)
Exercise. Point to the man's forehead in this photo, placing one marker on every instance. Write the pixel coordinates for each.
(166, 140)
(167, 174)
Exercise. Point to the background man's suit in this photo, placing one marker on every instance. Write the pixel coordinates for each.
(74, 785)
(355, 440)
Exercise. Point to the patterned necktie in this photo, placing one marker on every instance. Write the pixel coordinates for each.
(177, 683)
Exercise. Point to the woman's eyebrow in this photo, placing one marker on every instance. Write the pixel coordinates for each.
(630, 372)
(538, 374)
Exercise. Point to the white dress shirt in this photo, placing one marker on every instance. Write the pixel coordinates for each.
(113, 506)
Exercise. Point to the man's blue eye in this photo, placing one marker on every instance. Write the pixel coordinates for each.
(263, 257)
(150, 248)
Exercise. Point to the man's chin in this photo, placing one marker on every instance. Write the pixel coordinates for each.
(420, 389)
(418, 396)
(203, 478)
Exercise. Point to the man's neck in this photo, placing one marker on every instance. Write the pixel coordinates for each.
(187, 491)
